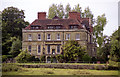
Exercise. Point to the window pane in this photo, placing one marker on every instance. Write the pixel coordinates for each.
(77, 36)
(48, 36)
(29, 37)
(29, 48)
(39, 36)
(39, 48)
(48, 49)
(58, 49)
(58, 36)
(67, 36)
(58, 27)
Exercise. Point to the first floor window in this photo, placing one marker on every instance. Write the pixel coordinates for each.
(58, 48)
(29, 37)
(67, 36)
(39, 48)
(77, 36)
(58, 36)
(39, 37)
(29, 48)
(48, 36)
(48, 49)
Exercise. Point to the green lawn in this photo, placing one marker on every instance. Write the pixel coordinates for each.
(57, 63)
(53, 71)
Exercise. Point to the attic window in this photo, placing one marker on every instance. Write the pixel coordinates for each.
(58, 27)
(35, 26)
(50, 27)
(73, 26)
(54, 27)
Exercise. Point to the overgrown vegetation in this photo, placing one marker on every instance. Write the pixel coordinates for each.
(25, 57)
(10, 67)
(72, 51)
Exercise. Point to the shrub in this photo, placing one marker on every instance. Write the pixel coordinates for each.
(86, 58)
(51, 59)
(42, 59)
(25, 57)
(5, 57)
(10, 67)
(94, 59)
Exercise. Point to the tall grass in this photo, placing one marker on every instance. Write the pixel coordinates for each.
(10, 67)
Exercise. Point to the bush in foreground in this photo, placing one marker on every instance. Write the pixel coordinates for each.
(5, 57)
(10, 67)
(25, 57)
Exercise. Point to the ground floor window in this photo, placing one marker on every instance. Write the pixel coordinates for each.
(29, 48)
(58, 48)
(39, 48)
(48, 49)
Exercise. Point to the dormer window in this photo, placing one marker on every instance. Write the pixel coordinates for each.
(73, 26)
(50, 27)
(58, 27)
(35, 26)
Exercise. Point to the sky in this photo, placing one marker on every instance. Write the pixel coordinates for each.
(98, 7)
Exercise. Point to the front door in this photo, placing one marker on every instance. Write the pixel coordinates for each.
(53, 51)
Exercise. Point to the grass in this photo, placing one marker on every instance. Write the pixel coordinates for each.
(12, 69)
(53, 71)
(57, 63)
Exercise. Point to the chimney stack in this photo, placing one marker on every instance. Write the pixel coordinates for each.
(74, 15)
(41, 15)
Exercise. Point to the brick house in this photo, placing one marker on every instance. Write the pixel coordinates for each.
(46, 36)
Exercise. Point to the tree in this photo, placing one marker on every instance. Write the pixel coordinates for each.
(88, 14)
(60, 10)
(98, 30)
(77, 8)
(67, 10)
(105, 49)
(16, 46)
(0, 32)
(115, 46)
(72, 51)
(52, 11)
(12, 24)
(55, 10)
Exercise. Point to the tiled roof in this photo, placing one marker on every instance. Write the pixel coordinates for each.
(64, 23)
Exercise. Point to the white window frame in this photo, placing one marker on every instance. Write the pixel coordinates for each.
(67, 36)
(58, 36)
(39, 37)
(39, 49)
(48, 36)
(77, 36)
(29, 37)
